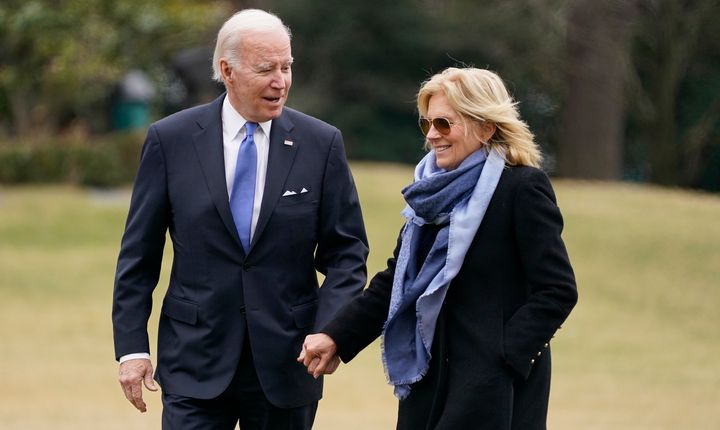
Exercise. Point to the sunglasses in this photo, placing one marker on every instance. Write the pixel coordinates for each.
(442, 125)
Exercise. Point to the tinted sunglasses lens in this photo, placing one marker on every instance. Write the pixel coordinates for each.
(424, 124)
(441, 125)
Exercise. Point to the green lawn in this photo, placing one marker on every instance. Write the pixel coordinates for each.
(640, 351)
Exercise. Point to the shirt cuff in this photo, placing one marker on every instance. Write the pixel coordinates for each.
(127, 357)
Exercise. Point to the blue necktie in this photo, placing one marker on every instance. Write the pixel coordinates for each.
(243, 193)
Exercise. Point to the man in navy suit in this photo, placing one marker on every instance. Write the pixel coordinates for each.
(243, 290)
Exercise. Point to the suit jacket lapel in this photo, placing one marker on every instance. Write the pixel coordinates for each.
(280, 160)
(209, 148)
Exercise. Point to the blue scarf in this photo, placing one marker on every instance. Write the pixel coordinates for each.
(456, 200)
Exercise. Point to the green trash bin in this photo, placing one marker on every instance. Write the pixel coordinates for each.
(131, 103)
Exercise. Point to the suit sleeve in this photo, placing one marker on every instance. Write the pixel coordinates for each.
(342, 246)
(359, 323)
(141, 251)
(549, 276)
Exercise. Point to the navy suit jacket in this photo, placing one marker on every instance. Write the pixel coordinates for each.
(217, 294)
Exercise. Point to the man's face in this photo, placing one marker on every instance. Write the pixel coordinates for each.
(258, 87)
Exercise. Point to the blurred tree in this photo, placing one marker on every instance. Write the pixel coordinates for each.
(522, 40)
(60, 60)
(675, 115)
(359, 64)
(238, 5)
(598, 40)
(611, 89)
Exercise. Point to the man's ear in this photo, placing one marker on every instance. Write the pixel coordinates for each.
(226, 70)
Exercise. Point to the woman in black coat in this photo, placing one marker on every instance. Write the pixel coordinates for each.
(480, 279)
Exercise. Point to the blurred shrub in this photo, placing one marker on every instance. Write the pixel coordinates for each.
(104, 161)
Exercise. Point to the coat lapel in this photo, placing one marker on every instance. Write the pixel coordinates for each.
(280, 161)
(209, 148)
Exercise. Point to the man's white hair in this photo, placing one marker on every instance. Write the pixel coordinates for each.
(231, 33)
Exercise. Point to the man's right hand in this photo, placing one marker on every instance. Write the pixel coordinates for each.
(133, 373)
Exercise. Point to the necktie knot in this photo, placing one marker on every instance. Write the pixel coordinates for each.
(250, 128)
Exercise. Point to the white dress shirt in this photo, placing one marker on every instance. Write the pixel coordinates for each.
(233, 134)
(233, 125)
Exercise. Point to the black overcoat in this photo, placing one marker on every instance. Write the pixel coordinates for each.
(490, 365)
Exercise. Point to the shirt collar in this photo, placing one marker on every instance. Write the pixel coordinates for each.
(233, 122)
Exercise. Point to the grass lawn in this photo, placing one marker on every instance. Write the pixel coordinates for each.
(640, 351)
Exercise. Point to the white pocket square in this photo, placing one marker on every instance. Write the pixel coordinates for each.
(304, 190)
(289, 193)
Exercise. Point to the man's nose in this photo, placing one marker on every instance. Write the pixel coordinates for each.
(278, 80)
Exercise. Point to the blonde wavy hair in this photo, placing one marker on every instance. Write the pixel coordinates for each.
(480, 95)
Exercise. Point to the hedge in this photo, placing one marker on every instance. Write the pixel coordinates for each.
(104, 161)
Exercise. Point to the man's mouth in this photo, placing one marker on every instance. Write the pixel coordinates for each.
(272, 99)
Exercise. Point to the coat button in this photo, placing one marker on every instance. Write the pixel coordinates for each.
(246, 267)
(532, 361)
(545, 346)
(539, 353)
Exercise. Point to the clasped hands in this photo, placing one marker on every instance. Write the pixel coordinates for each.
(319, 355)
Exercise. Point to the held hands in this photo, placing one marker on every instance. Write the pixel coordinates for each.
(319, 355)
(132, 374)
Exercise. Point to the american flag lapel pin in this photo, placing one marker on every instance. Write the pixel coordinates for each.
(288, 142)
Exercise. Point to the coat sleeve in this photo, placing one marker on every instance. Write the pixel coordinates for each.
(141, 251)
(342, 246)
(549, 277)
(359, 323)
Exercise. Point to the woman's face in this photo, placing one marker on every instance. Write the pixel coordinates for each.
(452, 148)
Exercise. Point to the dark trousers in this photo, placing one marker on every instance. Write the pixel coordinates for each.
(243, 401)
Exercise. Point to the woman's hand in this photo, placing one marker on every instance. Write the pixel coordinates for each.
(319, 355)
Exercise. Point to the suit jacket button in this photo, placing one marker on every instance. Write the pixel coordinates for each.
(532, 361)
(246, 267)
(539, 353)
